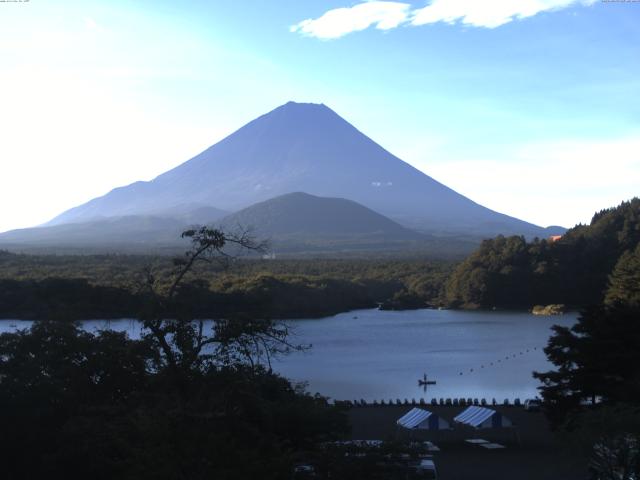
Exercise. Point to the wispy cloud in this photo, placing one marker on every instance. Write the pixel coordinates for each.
(388, 15)
(341, 21)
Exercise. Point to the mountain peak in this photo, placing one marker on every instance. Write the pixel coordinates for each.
(302, 112)
(309, 105)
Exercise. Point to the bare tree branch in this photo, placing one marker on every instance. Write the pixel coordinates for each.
(182, 342)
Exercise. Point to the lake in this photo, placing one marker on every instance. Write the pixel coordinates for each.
(375, 355)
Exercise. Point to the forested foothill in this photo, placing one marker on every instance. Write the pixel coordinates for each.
(509, 272)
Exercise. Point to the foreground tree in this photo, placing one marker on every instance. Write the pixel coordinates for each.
(186, 401)
(610, 436)
(597, 362)
(592, 396)
(185, 345)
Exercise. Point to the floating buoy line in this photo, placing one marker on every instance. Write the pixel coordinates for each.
(501, 360)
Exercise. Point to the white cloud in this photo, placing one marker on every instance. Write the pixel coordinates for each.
(486, 13)
(388, 15)
(341, 21)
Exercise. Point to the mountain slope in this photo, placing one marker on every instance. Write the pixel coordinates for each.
(132, 232)
(309, 148)
(115, 233)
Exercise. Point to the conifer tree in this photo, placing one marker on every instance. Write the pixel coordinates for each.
(624, 282)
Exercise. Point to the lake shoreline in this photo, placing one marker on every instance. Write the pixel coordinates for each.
(304, 316)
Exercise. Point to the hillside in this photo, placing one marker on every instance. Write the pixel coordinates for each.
(305, 217)
(303, 223)
(304, 214)
(575, 270)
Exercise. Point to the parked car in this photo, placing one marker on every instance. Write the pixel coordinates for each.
(532, 404)
(427, 469)
(304, 472)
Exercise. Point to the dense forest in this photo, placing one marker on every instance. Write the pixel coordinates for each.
(509, 272)
(108, 286)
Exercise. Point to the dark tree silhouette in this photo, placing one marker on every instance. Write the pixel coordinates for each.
(597, 362)
(184, 342)
(180, 403)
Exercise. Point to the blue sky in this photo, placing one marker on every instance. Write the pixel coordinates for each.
(529, 107)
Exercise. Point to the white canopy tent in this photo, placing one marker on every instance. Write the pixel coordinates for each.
(480, 417)
(419, 419)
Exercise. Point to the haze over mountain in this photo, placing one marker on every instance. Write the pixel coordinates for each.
(303, 148)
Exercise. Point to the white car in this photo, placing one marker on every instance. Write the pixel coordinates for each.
(427, 469)
(532, 405)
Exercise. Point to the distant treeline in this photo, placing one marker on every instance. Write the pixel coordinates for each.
(574, 270)
(64, 299)
(109, 286)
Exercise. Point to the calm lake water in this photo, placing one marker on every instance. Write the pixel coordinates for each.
(374, 355)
